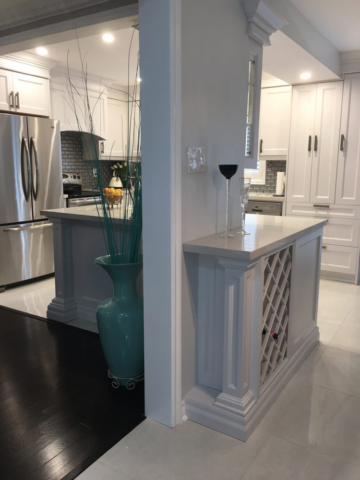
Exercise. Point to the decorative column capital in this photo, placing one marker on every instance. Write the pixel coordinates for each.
(263, 20)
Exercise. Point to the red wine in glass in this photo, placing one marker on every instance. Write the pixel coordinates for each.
(228, 170)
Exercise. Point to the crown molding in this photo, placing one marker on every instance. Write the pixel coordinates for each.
(350, 62)
(31, 59)
(262, 20)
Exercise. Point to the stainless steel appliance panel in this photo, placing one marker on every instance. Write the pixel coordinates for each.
(264, 208)
(15, 181)
(26, 251)
(45, 155)
(83, 202)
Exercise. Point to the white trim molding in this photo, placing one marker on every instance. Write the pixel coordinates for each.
(262, 20)
(350, 62)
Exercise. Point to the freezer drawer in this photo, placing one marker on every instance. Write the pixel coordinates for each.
(26, 251)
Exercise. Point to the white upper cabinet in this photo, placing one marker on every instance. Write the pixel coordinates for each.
(114, 146)
(326, 142)
(31, 94)
(348, 178)
(301, 143)
(73, 118)
(22, 93)
(275, 116)
(7, 98)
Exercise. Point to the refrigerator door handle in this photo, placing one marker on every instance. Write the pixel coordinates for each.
(34, 149)
(29, 227)
(24, 146)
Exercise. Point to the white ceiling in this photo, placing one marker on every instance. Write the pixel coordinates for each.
(105, 60)
(337, 20)
(286, 60)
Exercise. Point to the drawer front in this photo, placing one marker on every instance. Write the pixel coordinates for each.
(264, 208)
(343, 232)
(339, 259)
(350, 212)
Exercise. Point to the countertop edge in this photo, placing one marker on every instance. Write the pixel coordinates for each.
(244, 255)
(79, 216)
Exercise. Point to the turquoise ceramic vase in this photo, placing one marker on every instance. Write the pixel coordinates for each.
(120, 321)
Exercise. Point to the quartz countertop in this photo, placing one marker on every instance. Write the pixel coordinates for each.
(265, 197)
(89, 213)
(267, 233)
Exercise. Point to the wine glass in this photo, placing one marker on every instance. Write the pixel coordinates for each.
(228, 170)
(244, 198)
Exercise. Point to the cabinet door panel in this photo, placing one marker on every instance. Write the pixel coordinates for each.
(339, 259)
(326, 142)
(348, 178)
(300, 151)
(33, 94)
(6, 87)
(114, 146)
(339, 231)
(275, 122)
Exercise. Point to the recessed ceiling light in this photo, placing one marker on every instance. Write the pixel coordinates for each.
(41, 51)
(305, 75)
(107, 37)
(138, 79)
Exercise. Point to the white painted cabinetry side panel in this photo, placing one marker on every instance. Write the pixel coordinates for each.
(275, 122)
(348, 178)
(301, 142)
(326, 142)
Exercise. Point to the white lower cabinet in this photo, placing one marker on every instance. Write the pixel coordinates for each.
(339, 260)
(340, 239)
(341, 232)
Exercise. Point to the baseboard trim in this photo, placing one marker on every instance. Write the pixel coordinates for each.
(62, 311)
(242, 425)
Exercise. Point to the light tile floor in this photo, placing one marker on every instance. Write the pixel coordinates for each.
(34, 298)
(311, 433)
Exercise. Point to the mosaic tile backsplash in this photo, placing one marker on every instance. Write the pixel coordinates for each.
(73, 160)
(272, 167)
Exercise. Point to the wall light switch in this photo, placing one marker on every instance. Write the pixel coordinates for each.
(196, 160)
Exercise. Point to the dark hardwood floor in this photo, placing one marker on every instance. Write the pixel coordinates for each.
(58, 411)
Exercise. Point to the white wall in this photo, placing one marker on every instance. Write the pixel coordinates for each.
(157, 53)
(302, 32)
(194, 66)
(214, 99)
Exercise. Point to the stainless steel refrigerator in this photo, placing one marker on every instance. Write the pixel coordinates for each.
(30, 181)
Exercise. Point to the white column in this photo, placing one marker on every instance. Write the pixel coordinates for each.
(238, 319)
(63, 307)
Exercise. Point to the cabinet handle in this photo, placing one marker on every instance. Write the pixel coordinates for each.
(323, 247)
(11, 96)
(309, 144)
(261, 145)
(316, 144)
(102, 147)
(17, 100)
(342, 143)
(316, 205)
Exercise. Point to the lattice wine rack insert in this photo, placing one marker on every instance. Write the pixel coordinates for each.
(275, 319)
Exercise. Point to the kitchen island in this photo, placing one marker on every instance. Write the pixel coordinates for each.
(256, 301)
(80, 284)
